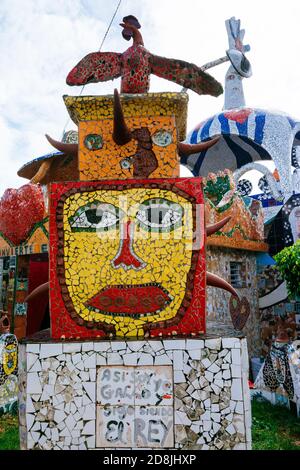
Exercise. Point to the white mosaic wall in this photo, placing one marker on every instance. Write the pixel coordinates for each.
(185, 394)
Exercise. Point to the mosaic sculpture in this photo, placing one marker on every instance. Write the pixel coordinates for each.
(136, 64)
(247, 134)
(127, 263)
(26, 201)
(120, 137)
(55, 166)
(127, 240)
(8, 367)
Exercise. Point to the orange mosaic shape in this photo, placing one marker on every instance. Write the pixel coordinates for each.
(115, 161)
(157, 121)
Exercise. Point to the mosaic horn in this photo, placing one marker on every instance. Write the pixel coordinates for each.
(68, 149)
(121, 133)
(41, 173)
(42, 289)
(215, 281)
(211, 229)
(188, 149)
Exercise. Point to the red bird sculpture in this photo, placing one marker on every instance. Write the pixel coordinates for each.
(135, 65)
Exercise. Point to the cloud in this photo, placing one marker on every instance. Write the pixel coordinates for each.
(41, 40)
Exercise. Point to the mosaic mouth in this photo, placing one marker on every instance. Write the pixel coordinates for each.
(135, 301)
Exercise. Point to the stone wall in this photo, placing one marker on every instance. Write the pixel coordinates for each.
(179, 393)
(217, 303)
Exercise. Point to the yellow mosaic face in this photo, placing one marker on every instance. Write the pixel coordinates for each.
(153, 137)
(127, 255)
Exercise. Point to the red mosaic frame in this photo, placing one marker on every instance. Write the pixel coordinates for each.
(190, 317)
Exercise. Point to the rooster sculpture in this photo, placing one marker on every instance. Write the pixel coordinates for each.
(135, 65)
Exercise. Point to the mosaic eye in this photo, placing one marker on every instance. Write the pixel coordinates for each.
(93, 142)
(126, 163)
(94, 217)
(162, 138)
(159, 215)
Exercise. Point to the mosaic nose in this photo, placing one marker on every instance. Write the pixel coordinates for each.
(126, 258)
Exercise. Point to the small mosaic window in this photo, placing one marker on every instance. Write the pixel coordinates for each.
(297, 307)
(162, 138)
(237, 274)
(93, 142)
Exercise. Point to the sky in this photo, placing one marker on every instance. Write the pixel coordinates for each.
(42, 40)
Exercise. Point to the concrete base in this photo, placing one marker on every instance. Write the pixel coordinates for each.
(174, 393)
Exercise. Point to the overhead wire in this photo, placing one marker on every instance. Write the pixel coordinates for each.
(104, 37)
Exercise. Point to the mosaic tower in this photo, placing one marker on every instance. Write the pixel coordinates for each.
(127, 273)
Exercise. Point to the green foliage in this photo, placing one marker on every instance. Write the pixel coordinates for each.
(9, 432)
(274, 427)
(217, 187)
(288, 263)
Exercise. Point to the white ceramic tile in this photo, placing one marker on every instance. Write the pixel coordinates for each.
(162, 360)
(178, 360)
(50, 349)
(101, 346)
(236, 357)
(206, 363)
(91, 442)
(145, 359)
(76, 358)
(33, 383)
(206, 416)
(59, 416)
(89, 361)
(213, 368)
(156, 345)
(100, 360)
(209, 376)
(194, 344)
(90, 388)
(181, 418)
(33, 348)
(214, 343)
(130, 359)
(207, 425)
(29, 405)
(115, 385)
(31, 359)
(114, 426)
(153, 385)
(230, 429)
(29, 420)
(195, 354)
(174, 344)
(229, 342)
(154, 427)
(89, 412)
(236, 390)
(118, 345)
(135, 345)
(71, 347)
(114, 359)
(179, 376)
